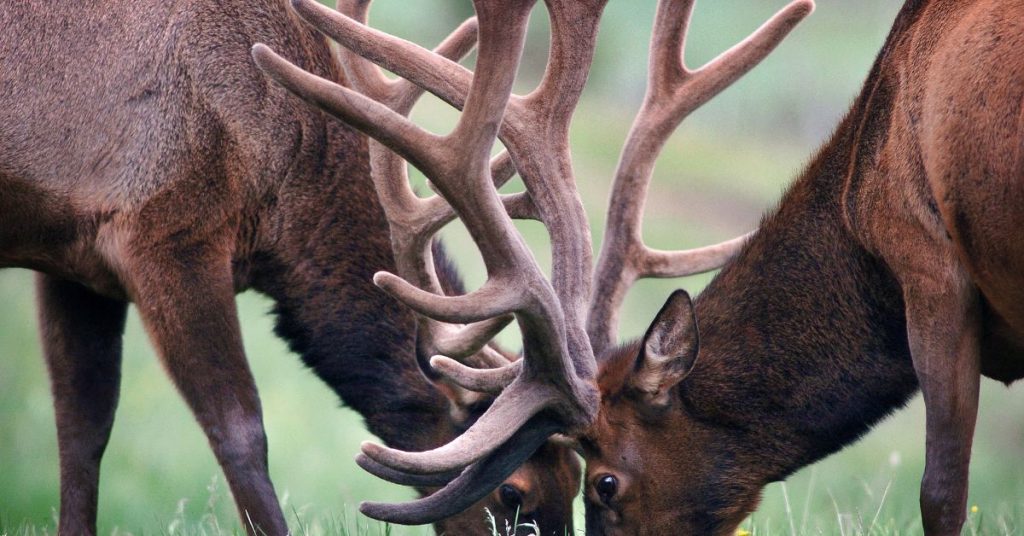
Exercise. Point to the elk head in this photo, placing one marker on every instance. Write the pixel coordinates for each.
(653, 467)
(555, 387)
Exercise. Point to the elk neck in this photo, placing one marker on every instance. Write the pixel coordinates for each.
(328, 237)
(803, 336)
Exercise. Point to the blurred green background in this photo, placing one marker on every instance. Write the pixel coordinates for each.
(725, 166)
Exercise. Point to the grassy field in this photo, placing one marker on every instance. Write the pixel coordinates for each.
(725, 167)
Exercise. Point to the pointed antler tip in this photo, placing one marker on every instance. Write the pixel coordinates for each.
(804, 7)
(380, 511)
(266, 59)
(384, 279)
(369, 509)
(369, 448)
(259, 49)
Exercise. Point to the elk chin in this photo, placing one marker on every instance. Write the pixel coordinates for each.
(726, 521)
(604, 522)
(643, 521)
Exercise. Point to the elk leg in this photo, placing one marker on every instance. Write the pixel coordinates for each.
(943, 321)
(187, 303)
(81, 333)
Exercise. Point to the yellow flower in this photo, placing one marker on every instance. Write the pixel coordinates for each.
(742, 532)
(974, 509)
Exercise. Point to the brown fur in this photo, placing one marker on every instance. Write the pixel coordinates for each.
(144, 159)
(894, 263)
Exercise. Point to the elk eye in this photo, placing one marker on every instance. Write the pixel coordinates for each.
(607, 486)
(510, 496)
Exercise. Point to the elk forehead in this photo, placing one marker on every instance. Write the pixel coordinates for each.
(615, 367)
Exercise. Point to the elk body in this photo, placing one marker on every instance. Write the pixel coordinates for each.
(144, 159)
(894, 263)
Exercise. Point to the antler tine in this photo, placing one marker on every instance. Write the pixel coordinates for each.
(517, 404)
(673, 93)
(731, 65)
(492, 380)
(405, 479)
(666, 67)
(362, 75)
(374, 119)
(462, 343)
(667, 264)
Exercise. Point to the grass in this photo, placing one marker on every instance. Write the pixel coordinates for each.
(870, 516)
(726, 166)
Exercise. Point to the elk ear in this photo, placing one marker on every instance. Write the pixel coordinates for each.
(669, 350)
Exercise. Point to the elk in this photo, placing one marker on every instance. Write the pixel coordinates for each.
(892, 264)
(152, 163)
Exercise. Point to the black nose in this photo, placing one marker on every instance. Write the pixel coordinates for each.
(511, 497)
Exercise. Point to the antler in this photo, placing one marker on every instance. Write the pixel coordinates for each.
(673, 93)
(555, 376)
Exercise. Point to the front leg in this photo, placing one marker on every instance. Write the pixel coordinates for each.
(81, 333)
(943, 324)
(185, 297)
